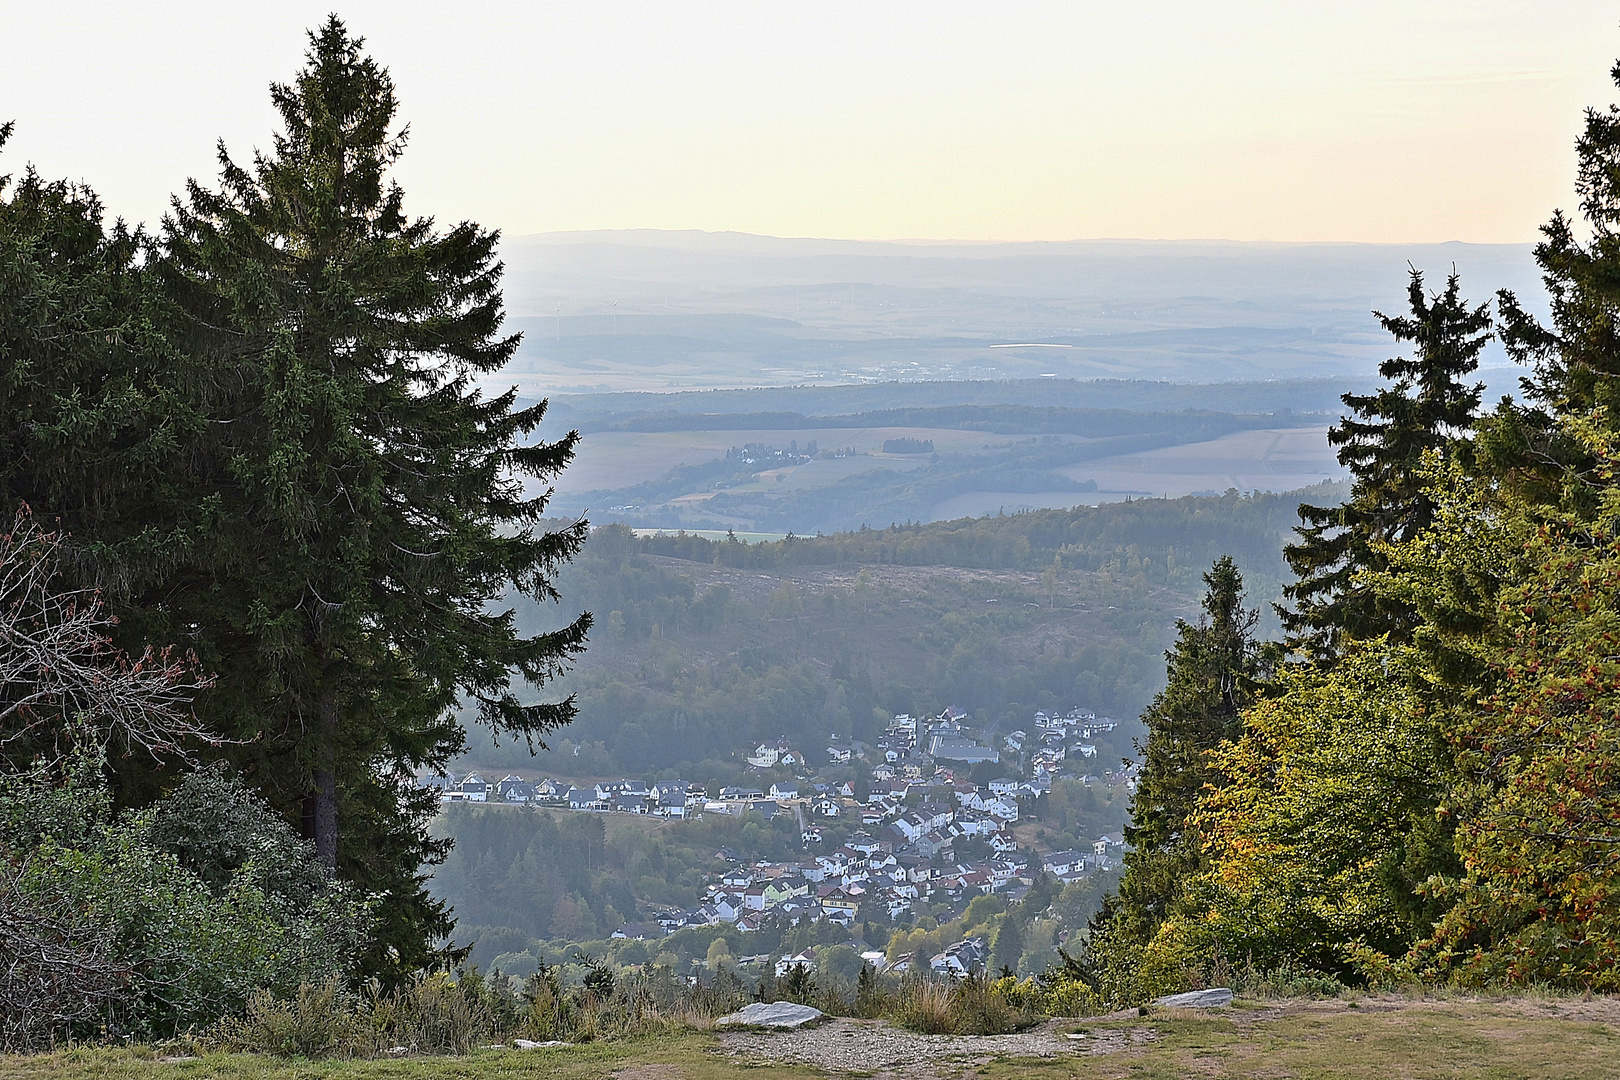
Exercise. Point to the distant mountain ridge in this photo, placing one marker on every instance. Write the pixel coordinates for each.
(1317, 395)
(648, 310)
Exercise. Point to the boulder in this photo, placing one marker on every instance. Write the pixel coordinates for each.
(775, 1014)
(1196, 999)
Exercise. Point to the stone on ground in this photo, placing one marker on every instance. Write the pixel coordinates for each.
(1196, 999)
(775, 1014)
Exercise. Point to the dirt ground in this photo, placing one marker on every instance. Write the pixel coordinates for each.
(869, 1046)
(878, 1048)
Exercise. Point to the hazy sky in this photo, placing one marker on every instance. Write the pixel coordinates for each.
(1359, 121)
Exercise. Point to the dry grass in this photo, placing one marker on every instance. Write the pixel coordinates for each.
(1356, 1038)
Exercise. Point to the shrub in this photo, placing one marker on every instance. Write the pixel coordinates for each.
(870, 993)
(432, 1014)
(127, 925)
(435, 1014)
(798, 984)
(980, 1005)
(318, 1020)
(924, 1006)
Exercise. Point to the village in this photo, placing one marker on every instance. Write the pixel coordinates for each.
(923, 839)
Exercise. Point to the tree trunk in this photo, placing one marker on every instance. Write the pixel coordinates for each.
(326, 825)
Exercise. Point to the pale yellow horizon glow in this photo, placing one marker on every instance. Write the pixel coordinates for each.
(1365, 122)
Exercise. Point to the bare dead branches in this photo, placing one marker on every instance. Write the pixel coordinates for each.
(59, 966)
(58, 664)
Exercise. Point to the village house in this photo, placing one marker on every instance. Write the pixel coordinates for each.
(765, 756)
(911, 825)
(933, 845)
(961, 958)
(779, 892)
(513, 788)
(630, 802)
(786, 963)
(728, 906)
(834, 898)
(1063, 862)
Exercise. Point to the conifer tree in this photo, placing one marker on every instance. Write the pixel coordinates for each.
(369, 508)
(1575, 361)
(91, 422)
(1425, 407)
(1212, 671)
(1008, 947)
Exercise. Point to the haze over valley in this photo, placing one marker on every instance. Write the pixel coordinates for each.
(1180, 368)
(652, 310)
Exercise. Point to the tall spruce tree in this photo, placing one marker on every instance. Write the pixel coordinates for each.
(91, 419)
(1213, 671)
(1008, 947)
(368, 503)
(1426, 406)
(1575, 361)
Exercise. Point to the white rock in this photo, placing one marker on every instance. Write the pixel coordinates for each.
(527, 1044)
(776, 1014)
(1196, 999)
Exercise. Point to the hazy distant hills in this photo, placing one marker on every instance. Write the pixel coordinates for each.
(1015, 363)
(644, 310)
(590, 411)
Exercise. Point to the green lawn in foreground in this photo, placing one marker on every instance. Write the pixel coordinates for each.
(1371, 1038)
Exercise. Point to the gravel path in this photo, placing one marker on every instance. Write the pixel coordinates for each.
(873, 1045)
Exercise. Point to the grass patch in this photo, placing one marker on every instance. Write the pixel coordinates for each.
(1525, 1038)
(688, 1055)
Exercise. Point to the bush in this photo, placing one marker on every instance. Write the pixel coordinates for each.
(980, 1005)
(316, 1021)
(433, 1014)
(923, 1005)
(151, 922)
(975, 1004)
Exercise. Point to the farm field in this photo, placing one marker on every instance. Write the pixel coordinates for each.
(1265, 459)
(615, 459)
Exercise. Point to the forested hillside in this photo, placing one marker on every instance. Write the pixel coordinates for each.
(705, 646)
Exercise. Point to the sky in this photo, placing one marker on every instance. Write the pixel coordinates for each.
(1180, 119)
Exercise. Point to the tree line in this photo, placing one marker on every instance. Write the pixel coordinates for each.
(1167, 540)
(1421, 781)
